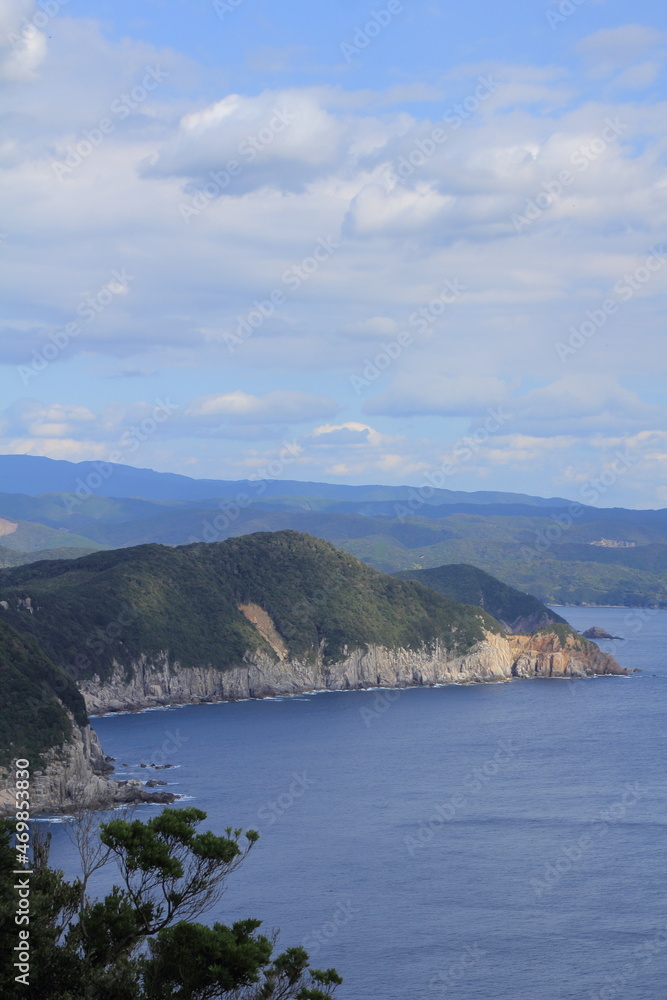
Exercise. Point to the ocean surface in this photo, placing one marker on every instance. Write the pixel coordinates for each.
(486, 842)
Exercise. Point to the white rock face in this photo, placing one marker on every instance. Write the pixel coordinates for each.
(75, 774)
(497, 658)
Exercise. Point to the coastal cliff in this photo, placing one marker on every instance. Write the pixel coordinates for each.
(43, 720)
(267, 614)
(74, 775)
(160, 681)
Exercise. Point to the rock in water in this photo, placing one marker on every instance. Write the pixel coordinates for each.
(595, 632)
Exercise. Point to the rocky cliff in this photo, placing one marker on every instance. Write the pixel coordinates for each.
(266, 614)
(159, 681)
(74, 775)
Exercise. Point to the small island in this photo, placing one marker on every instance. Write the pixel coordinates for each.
(595, 632)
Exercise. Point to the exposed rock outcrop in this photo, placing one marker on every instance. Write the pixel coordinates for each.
(595, 632)
(548, 654)
(74, 775)
(497, 658)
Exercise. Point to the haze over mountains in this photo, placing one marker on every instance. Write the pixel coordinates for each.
(557, 550)
(35, 475)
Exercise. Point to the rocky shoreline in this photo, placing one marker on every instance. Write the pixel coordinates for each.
(160, 682)
(76, 774)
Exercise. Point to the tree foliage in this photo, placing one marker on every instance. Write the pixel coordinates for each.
(141, 941)
(35, 698)
(114, 607)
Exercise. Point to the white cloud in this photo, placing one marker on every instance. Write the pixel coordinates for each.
(280, 139)
(326, 174)
(22, 44)
(609, 48)
(584, 405)
(279, 406)
(350, 433)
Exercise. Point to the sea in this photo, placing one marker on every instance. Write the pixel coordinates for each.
(487, 842)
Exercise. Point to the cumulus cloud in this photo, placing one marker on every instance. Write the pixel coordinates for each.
(35, 419)
(279, 406)
(231, 415)
(22, 44)
(350, 433)
(408, 213)
(281, 139)
(576, 405)
(583, 405)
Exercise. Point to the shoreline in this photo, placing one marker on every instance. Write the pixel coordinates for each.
(60, 817)
(174, 705)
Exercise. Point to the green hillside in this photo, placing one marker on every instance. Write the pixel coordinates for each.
(515, 610)
(30, 536)
(32, 717)
(601, 556)
(10, 557)
(185, 601)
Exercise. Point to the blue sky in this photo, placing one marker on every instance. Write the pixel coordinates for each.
(366, 231)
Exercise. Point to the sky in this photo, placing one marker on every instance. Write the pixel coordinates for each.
(401, 242)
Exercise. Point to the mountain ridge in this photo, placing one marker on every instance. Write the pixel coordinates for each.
(34, 475)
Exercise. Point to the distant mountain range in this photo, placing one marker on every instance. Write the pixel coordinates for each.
(592, 556)
(35, 475)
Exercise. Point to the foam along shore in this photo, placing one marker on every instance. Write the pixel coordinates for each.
(160, 682)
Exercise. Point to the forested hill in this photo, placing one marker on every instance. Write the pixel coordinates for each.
(515, 610)
(34, 696)
(192, 603)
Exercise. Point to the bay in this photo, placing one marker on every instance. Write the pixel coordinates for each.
(481, 842)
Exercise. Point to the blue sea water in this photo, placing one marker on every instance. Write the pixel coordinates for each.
(486, 842)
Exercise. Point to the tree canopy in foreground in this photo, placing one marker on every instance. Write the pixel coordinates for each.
(141, 942)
